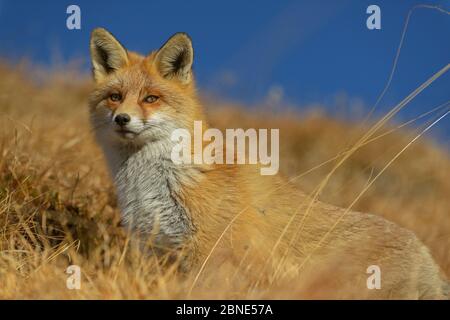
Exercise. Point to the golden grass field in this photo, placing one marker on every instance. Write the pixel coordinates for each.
(58, 207)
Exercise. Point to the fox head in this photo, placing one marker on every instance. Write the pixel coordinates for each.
(141, 99)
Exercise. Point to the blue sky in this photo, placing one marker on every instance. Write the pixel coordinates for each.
(315, 51)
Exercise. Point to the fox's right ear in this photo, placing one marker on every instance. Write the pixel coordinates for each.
(107, 54)
(174, 59)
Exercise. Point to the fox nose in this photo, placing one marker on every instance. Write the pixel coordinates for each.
(122, 119)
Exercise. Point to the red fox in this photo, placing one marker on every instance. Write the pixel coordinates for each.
(137, 103)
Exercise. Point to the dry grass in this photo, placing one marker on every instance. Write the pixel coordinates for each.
(57, 203)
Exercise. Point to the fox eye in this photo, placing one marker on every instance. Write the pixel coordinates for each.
(151, 98)
(115, 97)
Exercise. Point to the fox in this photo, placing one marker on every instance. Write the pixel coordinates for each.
(195, 209)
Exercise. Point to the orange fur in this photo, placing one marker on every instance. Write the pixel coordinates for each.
(239, 214)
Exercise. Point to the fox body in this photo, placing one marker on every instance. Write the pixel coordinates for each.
(137, 103)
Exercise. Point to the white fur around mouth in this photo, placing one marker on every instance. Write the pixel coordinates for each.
(126, 134)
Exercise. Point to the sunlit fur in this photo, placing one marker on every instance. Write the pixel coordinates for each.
(192, 206)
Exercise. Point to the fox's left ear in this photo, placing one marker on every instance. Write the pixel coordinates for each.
(107, 54)
(174, 59)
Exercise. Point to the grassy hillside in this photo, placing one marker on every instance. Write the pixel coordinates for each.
(58, 207)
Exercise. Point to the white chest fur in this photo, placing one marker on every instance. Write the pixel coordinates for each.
(148, 187)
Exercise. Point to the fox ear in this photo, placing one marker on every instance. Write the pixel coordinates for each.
(107, 54)
(174, 59)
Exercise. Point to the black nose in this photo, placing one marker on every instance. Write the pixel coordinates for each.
(122, 119)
